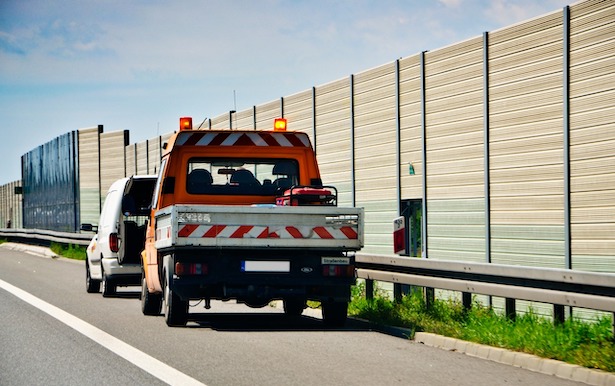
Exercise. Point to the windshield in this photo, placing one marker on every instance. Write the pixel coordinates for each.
(243, 176)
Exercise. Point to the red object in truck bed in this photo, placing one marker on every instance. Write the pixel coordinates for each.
(306, 195)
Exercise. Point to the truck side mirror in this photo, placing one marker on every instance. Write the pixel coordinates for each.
(168, 185)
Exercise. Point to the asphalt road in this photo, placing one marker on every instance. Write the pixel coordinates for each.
(96, 340)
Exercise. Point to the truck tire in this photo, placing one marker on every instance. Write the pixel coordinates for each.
(294, 307)
(109, 288)
(334, 314)
(175, 309)
(91, 285)
(151, 304)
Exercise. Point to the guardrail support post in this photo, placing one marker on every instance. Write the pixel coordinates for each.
(430, 296)
(399, 290)
(369, 289)
(559, 314)
(511, 309)
(466, 298)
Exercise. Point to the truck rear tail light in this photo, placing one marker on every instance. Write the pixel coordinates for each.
(114, 242)
(191, 269)
(338, 270)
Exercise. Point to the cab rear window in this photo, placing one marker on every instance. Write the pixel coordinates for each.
(240, 176)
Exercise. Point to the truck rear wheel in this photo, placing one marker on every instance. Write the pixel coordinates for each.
(334, 313)
(151, 304)
(294, 307)
(175, 309)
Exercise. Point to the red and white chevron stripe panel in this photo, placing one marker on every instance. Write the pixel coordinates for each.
(266, 232)
(234, 138)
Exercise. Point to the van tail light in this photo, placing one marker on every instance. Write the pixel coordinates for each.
(114, 242)
(191, 269)
(330, 270)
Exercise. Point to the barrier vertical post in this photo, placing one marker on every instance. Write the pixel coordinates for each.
(511, 309)
(369, 289)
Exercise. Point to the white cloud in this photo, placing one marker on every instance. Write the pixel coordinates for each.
(451, 3)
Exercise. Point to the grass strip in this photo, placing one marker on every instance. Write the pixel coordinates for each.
(588, 344)
(70, 251)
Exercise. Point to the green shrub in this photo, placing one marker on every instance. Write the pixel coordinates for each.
(70, 251)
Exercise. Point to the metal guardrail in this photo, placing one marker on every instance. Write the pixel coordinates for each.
(564, 287)
(592, 290)
(43, 236)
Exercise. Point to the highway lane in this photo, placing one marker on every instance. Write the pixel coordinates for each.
(228, 345)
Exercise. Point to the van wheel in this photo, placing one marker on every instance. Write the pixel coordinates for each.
(151, 304)
(91, 285)
(334, 314)
(108, 286)
(175, 309)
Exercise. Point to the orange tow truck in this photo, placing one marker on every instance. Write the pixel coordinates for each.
(244, 215)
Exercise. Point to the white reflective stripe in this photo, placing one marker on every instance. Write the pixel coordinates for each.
(200, 231)
(231, 139)
(304, 139)
(257, 139)
(282, 232)
(255, 232)
(281, 139)
(336, 233)
(181, 139)
(122, 349)
(206, 140)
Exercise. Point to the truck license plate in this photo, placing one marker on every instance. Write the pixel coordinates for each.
(265, 266)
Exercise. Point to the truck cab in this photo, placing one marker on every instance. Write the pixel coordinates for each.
(244, 215)
(113, 255)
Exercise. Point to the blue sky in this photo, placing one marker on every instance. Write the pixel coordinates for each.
(140, 65)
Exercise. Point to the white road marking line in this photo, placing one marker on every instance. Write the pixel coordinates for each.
(137, 357)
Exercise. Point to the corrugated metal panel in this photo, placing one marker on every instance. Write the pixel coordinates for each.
(592, 138)
(89, 188)
(16, 208)
(112, 160)
(244, 120)
(266, 113)
(220, 122)
(298, 111)
(131, 166)
(154, 155)
(375, 134)
(379, 221)
(375, 153)
(10, 206)
(411, 131)
(142, 158)
(4, 206)
(333, 137)
(526, 150)
(455, 152)
(457, 229)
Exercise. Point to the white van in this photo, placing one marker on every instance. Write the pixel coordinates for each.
(114, 254)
